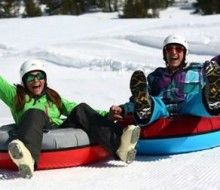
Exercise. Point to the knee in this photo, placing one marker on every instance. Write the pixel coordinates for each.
(34, 113)
(83, 106)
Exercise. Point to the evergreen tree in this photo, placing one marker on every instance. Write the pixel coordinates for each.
(53, 6)
(208, 7)
(140, 8)
(128, 9)
(68, 7)
(65, 7)
(108, 5)
(9, 8)
(32, 9)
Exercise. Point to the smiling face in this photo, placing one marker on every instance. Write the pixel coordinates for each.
(175, 55)
(35, 82)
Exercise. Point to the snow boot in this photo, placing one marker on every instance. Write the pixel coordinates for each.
(212, 88)
(126, 151)
(140, 95)
(21, 156)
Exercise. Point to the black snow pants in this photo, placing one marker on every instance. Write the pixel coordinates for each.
(100, 129)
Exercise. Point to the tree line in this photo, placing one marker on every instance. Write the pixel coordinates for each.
(144, 8)
(207, 7)
(125, 8)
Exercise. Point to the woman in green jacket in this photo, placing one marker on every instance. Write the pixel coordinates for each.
(36, 107)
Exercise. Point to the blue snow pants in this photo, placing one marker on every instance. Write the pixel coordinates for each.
(193, 105)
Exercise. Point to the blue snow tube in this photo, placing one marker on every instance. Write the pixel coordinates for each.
(179, 135)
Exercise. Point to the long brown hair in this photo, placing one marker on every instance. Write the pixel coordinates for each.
(21, 91)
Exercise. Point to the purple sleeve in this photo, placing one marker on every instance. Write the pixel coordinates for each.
(216, 59)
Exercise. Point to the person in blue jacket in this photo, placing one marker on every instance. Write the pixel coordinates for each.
(179, 88)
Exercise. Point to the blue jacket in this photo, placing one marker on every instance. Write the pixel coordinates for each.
(172, 88)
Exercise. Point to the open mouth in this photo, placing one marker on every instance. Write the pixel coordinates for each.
(36, 87)
(174, 58)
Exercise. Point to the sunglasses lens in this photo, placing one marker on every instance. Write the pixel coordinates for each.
(168, 49)
(178, 49)
(29, 78)
(39, 76)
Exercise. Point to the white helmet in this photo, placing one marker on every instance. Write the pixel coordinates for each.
(32, 65)
(175, 39)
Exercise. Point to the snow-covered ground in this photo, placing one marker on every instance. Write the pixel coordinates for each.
(90, 58)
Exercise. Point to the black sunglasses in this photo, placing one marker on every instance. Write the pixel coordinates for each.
(31, 77)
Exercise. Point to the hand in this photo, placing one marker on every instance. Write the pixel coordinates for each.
(115, 113)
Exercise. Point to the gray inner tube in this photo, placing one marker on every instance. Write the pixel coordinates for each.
(53, 139)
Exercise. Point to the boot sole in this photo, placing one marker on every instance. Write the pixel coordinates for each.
(213, 84)
(25, 171)
(131, 156)
(139, 91)
(135, 135)
(138, 84)
(16, 153)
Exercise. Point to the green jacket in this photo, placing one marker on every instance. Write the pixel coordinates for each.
(8, 93)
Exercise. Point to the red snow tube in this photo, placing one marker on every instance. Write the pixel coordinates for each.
(61, 158)
(176, 126)
(176, 135)
(53, 156)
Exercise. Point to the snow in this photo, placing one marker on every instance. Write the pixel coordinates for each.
(90, 58)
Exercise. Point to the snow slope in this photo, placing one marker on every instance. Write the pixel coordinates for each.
(90, 59)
